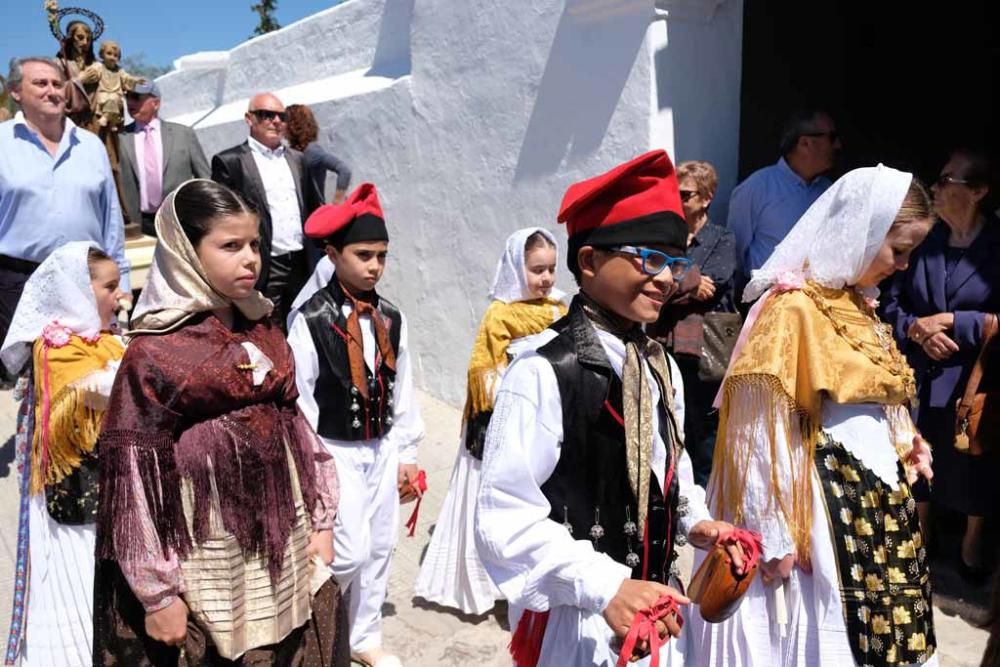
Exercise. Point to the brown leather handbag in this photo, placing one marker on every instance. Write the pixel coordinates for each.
(977, 414)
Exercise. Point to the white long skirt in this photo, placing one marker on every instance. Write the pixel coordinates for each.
(452, 574)
(60, 614)
(815, 633)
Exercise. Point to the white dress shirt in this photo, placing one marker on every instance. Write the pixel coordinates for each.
(282, 198)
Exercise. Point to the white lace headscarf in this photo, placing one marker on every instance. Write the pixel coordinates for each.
(510, 282)
(836, 240)
(177, 286)
(58, 290)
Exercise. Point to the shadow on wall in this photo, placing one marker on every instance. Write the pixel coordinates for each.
(392, 52)
(592, 54)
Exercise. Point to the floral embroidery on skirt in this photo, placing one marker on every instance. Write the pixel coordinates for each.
(881, 558)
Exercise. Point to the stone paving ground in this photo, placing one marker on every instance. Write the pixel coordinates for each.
(424, 635)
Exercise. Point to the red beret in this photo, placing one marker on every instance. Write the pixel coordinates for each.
(358, 218)
(634, 203)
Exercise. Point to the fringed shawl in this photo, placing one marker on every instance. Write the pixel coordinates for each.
(502, 324)
(68, 407)
(807, 345)
(186, 407)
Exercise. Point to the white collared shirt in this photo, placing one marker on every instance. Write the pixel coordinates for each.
(282, 199)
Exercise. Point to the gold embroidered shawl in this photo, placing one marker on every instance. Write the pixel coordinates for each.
(503, 323)
(806, 345)
(74, 406)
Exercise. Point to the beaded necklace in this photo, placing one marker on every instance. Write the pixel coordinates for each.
(883, 352)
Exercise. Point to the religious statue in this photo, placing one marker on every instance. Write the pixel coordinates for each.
(108, 102)
(76, 53)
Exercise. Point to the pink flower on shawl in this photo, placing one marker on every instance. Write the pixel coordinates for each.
(97, 335)
(55, 334)
(787, 281)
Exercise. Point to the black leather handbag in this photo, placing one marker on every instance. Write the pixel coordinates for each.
(720, 333)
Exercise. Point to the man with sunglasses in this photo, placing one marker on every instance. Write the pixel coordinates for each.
(272, 178)
(156, 157)
(765, 207)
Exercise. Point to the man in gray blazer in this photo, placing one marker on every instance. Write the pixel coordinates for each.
(156, 157)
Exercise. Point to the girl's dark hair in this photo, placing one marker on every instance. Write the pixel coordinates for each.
(201, 202)
(537, 240)
(302, 129)
(94, 257)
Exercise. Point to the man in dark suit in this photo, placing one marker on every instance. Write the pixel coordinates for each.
(156, 157)
(272, 178)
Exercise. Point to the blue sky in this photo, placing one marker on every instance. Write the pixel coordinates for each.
(161, 29)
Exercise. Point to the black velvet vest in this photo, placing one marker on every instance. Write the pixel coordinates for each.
(589, 489)
(344, 414)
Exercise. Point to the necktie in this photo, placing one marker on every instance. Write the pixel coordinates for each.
(355, 344)
(151, 169)
(637, 397)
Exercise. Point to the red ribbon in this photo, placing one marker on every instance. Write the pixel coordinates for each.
(644, 628)
(748, 539)
(420, 484)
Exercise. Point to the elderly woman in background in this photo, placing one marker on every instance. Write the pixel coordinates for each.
(689, 326)
(302, 132)
(939, 308)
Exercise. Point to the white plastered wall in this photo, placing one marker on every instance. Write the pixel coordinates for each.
(472, 118)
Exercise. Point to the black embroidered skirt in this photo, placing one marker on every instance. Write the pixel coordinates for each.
(881, 561)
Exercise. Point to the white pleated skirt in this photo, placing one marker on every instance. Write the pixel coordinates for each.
(59, 624)
(815, 633)
(452, 574)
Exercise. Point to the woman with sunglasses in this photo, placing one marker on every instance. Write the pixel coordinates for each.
(939, 309)
(705, 300)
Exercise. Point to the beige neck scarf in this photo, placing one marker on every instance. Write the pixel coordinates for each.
(637, 397)
(176, 287)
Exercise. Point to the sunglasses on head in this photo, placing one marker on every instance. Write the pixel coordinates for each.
(268, 114)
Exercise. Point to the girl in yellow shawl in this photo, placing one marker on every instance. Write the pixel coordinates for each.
(524, 303)
(816, 450)
(63, 326)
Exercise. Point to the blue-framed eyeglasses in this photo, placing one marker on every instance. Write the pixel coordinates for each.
(654, 261)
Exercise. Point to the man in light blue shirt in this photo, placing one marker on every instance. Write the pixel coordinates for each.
(765, 207)
(56, 184)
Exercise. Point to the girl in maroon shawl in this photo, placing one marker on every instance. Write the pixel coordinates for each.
(214, 530)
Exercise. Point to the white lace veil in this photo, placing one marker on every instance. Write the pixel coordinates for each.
(59, 289)
(510, 282)
(837, 239)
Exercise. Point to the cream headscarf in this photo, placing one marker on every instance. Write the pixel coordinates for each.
(176, 287)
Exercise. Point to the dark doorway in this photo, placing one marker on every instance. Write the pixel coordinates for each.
(905, 81)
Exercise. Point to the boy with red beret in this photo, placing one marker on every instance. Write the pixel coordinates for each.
(352, 366)
(586, 487)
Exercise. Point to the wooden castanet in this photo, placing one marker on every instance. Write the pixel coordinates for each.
(716, 588)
